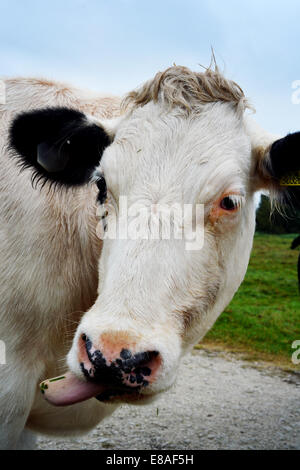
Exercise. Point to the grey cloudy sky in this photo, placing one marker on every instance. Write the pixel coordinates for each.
(114, 45)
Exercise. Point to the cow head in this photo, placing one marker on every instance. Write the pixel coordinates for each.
(184, 139)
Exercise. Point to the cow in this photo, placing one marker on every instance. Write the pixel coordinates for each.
(111, 317)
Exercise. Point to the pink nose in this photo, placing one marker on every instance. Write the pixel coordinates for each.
(117, 361)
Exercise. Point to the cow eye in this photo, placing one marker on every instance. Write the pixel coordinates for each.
(102, 194)
(229, 203)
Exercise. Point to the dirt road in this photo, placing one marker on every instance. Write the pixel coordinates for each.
(219, 402)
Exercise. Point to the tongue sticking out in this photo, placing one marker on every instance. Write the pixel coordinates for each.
(69, 389)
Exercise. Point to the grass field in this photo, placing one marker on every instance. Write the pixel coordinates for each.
(264, 316)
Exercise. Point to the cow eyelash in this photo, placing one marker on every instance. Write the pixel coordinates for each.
(231, 203)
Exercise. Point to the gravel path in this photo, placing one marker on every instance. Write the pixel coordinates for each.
(219, 402)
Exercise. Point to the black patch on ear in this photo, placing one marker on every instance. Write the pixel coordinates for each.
(285, 162)
(59, 143)
(285, 155)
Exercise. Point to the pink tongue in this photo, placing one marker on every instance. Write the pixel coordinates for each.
(69, 389)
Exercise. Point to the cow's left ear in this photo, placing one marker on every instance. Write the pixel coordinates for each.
(61, 145)
(279, 168)
(277, 164)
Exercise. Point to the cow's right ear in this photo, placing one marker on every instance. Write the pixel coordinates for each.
(60, 144)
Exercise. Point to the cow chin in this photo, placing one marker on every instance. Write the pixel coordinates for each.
(132, 398)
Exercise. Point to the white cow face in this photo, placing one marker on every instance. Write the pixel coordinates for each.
(156, 295)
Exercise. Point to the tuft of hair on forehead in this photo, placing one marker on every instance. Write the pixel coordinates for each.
(178, 86)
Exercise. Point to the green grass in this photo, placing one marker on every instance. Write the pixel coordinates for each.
(264, 316)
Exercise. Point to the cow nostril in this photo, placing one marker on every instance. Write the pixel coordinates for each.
(141, 368)
(145, 358)
(85, 346)
(146, 371)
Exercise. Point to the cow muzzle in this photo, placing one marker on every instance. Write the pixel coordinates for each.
(117, 362)
(114, 369)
